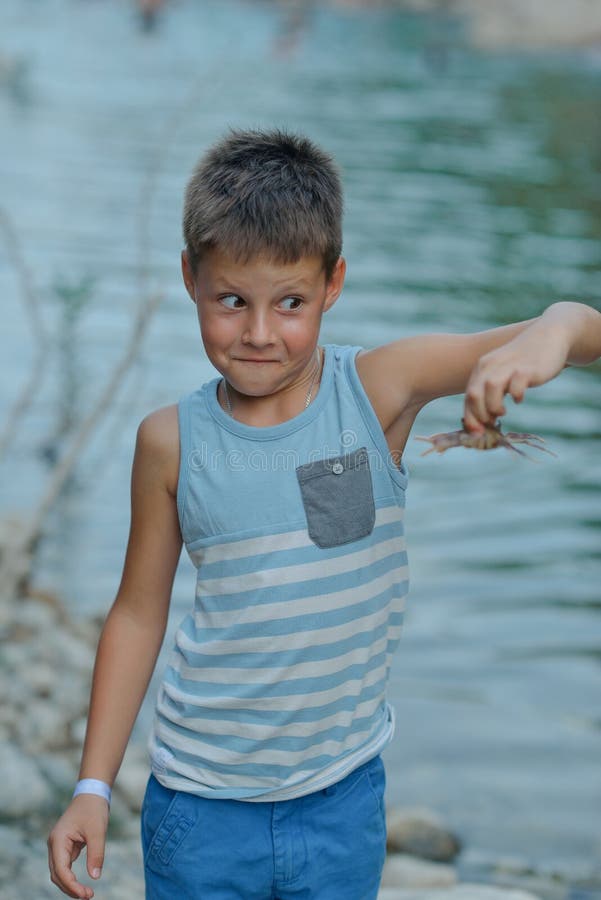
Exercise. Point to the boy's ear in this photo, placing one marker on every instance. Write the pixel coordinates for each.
(335, 284)
(187, 276)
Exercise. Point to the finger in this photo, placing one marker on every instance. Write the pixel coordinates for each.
(70, 886)
(474, 416)
(95, 854)
(494, 394)
(517, 386)
(470, 421)
(61, 874)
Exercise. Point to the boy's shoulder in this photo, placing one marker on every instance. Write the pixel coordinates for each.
(158, 438)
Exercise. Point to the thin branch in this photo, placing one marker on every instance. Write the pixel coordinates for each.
(18, 549)
(40, 337)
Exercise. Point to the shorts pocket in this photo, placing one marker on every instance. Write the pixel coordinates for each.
(338, 499)
(165, 822)
(376, 776)
(350, 820)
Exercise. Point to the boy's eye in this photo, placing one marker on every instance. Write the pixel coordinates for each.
(232, 297)
(293, 300)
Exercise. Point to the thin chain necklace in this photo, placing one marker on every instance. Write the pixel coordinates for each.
(308, 398)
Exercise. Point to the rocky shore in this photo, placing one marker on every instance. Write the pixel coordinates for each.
(46, 665)
(519, 24)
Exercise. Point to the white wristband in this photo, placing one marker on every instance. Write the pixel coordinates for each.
(93, 786)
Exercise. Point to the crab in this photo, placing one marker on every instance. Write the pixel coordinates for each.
(488, 439)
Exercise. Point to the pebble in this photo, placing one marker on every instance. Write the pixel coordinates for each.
(23, 788)
(402, 870)
(459, 892)
(133, 776)
(420, 832)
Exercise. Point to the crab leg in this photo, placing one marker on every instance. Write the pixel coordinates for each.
(504, 443)
(522, 440)
(523, 436)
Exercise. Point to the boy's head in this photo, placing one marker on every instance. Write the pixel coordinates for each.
(264, 193)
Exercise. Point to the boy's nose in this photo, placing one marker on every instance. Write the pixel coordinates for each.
(258, 331)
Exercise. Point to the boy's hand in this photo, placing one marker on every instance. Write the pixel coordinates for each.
(524, 362)
(84, 822)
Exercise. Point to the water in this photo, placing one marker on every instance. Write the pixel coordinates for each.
(472, 200)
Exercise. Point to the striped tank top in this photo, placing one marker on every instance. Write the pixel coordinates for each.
(275, 685)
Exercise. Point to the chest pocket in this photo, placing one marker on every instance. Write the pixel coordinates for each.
(338, 498)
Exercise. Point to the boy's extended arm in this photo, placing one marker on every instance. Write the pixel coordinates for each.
(128, 646)
(566, 334)
(411, 372)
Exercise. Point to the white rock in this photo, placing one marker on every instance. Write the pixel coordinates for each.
(72, 652)
(464, 891)
(39, 679)
(78, 730)
(406, 894)
(13, 851)
(23, 789)
(40, 727)
(16, 655)
(33, 879)
(71, 695)
(58, 770)
(8, 719)
(35, 615)
(133, 776)
(468, 891)
(404, 871)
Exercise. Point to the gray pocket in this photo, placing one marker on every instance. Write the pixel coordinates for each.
(338, 498)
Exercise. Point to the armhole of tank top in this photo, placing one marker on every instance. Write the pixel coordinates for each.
(398, 473)
(183, 418)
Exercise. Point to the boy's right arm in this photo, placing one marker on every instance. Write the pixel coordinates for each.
(129, 644)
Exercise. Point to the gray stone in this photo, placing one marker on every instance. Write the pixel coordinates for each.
(43, 727)
(464, 891)
(404, 871)
(420, 832)
(78, 730)
(13, 852)
(8, 719)
(468, 891)
(58, 770)
(23, 789)
(34, 878)
(133, 775)
(34, 615)
(73, 652)
(39, 678)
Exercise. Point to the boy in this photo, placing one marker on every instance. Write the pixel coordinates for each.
(284, 478)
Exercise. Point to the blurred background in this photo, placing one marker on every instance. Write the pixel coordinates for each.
(469, 137)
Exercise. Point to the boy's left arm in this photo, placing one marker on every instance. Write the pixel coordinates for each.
(408, 373)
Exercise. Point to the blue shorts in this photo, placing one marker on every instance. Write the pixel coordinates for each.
(327, 845)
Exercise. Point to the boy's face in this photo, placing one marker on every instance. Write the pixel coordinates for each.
(260, 320)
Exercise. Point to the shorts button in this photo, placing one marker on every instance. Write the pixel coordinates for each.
(337, 468)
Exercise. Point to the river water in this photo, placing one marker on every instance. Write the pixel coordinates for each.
(473, 198)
